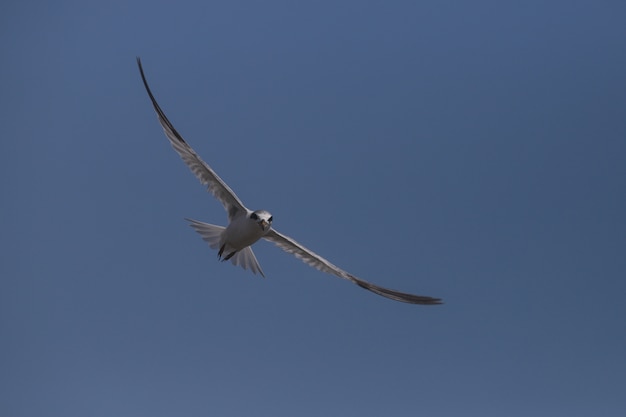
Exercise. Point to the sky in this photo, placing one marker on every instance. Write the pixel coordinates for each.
(473, 151)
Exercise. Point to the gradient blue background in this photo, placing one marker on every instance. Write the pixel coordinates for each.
(474, 151)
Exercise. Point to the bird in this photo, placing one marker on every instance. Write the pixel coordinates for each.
(245, 227)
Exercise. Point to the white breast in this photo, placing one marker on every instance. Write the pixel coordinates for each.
(242, 232)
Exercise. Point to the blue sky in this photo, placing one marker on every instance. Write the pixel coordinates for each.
(472, 151)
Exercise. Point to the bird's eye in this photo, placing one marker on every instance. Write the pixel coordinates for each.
(253, 216)
(270, 219)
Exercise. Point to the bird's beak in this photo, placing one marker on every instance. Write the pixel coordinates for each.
(264, 224)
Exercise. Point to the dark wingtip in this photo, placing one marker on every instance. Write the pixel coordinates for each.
(140, 67)
(143, 78)
(399, 296)
(163, 119)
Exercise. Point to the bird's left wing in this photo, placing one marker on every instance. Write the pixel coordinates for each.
(313, 259)
(201, 169)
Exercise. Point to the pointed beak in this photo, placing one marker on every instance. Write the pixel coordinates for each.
(264, 224)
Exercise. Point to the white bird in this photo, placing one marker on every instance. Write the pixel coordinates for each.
(245, 226)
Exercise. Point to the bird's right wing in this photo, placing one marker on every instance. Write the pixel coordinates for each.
(201, 169)
(316, 261)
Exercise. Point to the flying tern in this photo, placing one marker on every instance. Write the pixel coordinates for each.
(246, 226)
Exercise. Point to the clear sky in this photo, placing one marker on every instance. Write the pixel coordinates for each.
(474, 151)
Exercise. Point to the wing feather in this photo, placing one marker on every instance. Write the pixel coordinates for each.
(316, 261)
(200, 169)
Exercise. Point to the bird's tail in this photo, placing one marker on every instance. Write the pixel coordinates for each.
(246, 259)
(212, 234)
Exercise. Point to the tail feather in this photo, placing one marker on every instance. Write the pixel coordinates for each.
(212, 234)
(246, 259)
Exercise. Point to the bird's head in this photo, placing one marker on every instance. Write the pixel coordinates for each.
(263, 219)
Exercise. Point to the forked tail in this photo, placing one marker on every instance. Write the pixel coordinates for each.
(212, 234)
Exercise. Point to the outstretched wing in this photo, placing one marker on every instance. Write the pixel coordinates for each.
(201, 169)
(313, 259)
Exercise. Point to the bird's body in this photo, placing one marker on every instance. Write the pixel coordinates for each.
(246, 227)
(242, 231)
